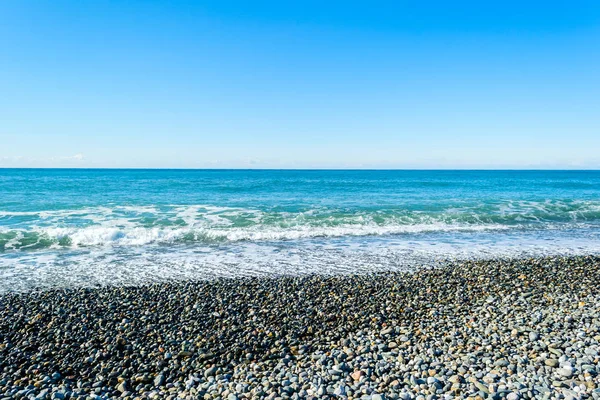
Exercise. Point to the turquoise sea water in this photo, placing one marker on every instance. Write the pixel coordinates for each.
(96, 227)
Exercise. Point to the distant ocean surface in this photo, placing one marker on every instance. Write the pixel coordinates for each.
(62, 228)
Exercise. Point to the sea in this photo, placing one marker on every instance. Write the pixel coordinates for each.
(62, 228)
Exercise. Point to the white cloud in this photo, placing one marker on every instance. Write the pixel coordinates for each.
(76, 157)
(14, 158)
(21, 161)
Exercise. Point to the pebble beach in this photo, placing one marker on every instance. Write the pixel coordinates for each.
(498, 329)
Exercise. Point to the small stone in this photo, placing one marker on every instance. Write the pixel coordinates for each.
(340, 391)
(356, 375)
(503, 362)
(210, 372)
(482, 387)
(551, 362)
(386, 331)
(159, 380)
(566, 372)
(184, 354)
(122, 387)
(512, 396)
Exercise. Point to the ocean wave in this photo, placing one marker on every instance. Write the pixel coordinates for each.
(113, 236)
(166, 224)
(101, 236)
(496, 210)
(132, 265)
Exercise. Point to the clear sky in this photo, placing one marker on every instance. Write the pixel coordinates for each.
(306, 84)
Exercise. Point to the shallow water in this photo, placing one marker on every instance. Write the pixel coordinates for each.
(96, 227)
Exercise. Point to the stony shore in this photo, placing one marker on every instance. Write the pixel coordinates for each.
(513, 329)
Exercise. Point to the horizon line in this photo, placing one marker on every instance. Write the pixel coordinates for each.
(298, 169)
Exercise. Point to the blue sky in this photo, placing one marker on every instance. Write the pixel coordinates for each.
(231, 84)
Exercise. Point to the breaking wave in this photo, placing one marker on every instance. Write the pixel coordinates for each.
(174, 224)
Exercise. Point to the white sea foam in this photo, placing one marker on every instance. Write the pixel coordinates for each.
(130, 265)
(132, 245)
(142, 225)
(114, 234)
